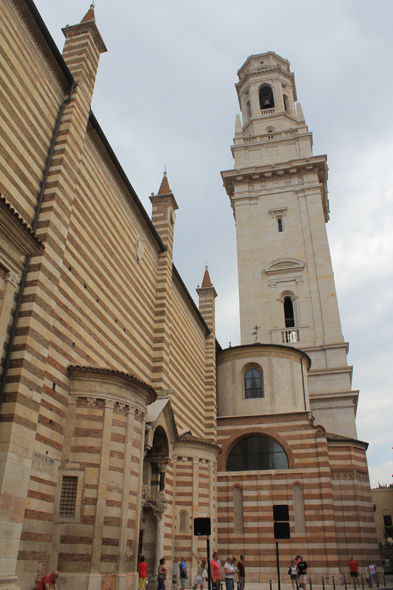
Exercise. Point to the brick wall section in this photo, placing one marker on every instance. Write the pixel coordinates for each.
(330, 532)
(353, 507)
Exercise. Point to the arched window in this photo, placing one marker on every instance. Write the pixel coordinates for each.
(183, 521)
(256, 453)
(288, 313)
(238, 519)
(252, 383)
(298, 508)
(266, 99)
(286, 103)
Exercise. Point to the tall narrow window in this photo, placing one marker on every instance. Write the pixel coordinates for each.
(288, 313)
(69, 487)
(238, 517)
(280, 227)
(286, 103)
(252, 383)
(298, 508)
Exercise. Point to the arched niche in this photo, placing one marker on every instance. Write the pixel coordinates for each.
(298, 508)
(238, 511)
(183, 522)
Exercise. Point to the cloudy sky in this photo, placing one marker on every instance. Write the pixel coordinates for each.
(165, 96)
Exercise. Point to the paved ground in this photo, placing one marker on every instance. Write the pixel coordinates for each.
(288, 586)
(338, 586)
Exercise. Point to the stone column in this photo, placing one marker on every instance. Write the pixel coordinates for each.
(159, 514)
(195, 499)
(162, 470)
(143, 491)
(95, 576)
(121, 580)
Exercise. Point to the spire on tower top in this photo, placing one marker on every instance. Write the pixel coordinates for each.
(164, 188)
(89, 14)
(206, 279)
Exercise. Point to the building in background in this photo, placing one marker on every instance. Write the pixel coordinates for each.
(383, 508)
(121, 417)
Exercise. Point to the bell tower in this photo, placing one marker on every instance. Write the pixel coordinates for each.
(278, 192)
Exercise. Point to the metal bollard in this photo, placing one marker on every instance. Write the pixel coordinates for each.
(377, 579)
(384, 579)
(323, 583)
(362, 581)
(334, 585)
(297, 584)
(310, 583)
(345, 583)
(270, 583)
(354, 582)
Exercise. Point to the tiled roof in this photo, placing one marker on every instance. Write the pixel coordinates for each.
(331, 436)
(89, 15)
(206, 279)
(104, 371)
(189, 438)
(164, 188)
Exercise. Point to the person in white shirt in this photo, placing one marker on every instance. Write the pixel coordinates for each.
(229, 570)
(372, 568)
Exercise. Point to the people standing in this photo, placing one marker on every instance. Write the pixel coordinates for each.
(353, 569)
(201, 572)
(372, 568)
(215, 571)
(142, 571)
(229, 571)
(293, 572)
(183, 573)
(302, 570)
(48, 582)
(161, 574)
(241, 572)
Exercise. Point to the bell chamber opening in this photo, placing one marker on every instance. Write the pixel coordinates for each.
(266, 99)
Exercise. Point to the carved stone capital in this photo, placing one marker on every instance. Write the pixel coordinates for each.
(13, 279)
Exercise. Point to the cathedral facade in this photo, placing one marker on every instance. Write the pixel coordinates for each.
(121, 417)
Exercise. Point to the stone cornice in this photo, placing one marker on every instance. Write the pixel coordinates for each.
(269, 171)
(83, 28)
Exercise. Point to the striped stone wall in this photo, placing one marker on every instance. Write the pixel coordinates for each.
(338, 515)
(353, 506)
(188, 376)
(93, 298)
(195, 494)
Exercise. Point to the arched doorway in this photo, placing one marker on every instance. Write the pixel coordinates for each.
(154, 502)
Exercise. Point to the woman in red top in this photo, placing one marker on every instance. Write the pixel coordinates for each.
(142, 571)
